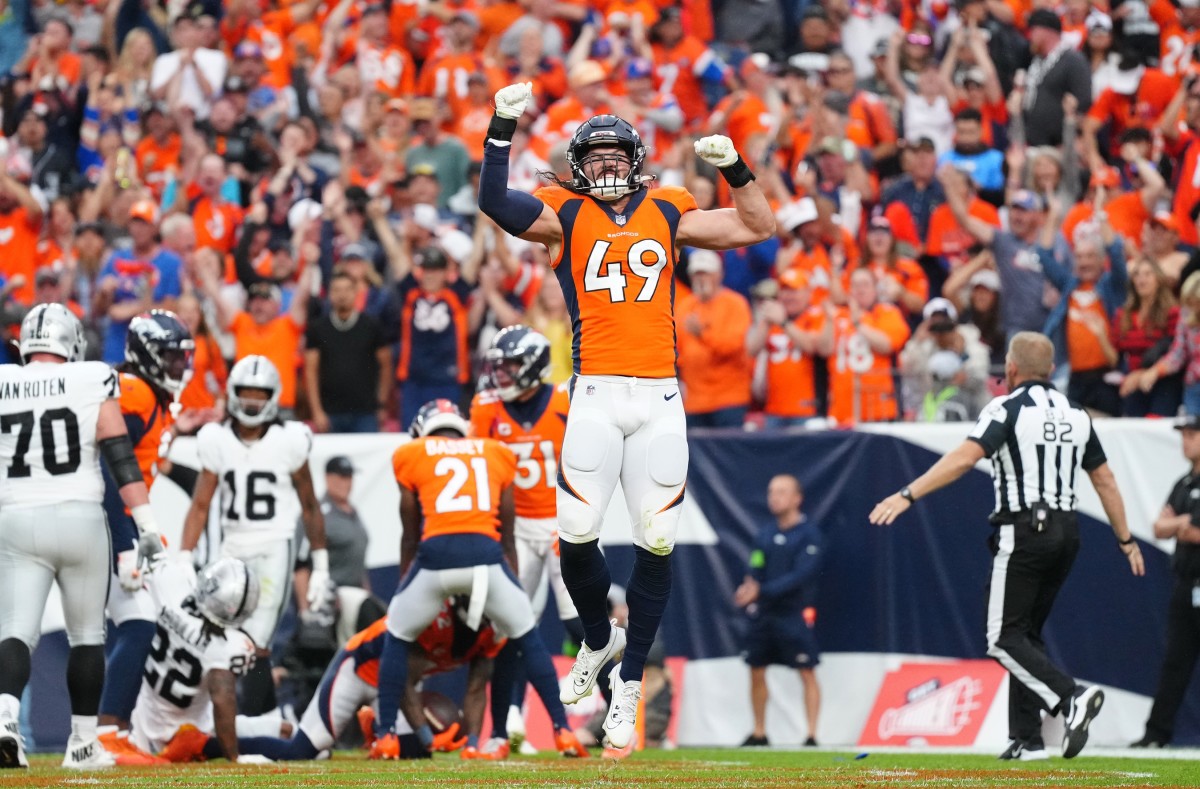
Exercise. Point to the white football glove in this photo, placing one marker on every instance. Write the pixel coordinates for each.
(184, 565)
(512, 100)
(129, 575)
(717, 150)
(253, 758)
(318, 580)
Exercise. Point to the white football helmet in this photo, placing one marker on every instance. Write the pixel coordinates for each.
(52, 328)
(227, 592)
(253, 372)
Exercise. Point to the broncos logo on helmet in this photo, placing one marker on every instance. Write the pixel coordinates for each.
(160, 348)
(608, 175)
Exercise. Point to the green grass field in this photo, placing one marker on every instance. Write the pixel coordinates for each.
(682, 769)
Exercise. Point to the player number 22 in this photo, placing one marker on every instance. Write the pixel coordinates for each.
(452, 499)
(613, 279)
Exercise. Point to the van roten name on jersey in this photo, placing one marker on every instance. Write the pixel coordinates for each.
(32, 390)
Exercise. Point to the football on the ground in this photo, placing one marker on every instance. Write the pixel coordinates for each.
(439, 710)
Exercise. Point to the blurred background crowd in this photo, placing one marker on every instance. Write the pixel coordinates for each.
(298, 179)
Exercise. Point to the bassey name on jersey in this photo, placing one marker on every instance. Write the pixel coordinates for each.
(32, 390)
(460, 446)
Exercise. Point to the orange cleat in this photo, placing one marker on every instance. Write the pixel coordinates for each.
(186, 746)
(617, 753)
(494, 750)
(386, 748)
(123, 751)
(568, 745)
(448, 741)
(366, 722)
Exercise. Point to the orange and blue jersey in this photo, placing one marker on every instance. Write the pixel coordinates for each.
(617, 273)
(458, 482)
(533, 429)
(447, 643)
(149, 422)
(433, 333)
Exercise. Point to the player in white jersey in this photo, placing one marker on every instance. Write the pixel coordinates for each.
(260, 466)
(57, 417)
(197, 654)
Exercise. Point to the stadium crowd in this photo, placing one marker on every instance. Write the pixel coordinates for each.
(298, 180)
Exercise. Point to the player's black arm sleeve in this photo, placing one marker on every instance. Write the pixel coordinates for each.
(118, 454)
(183, 476)
(513, 211)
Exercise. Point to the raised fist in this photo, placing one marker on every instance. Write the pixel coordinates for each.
(717, 150)
(512, 100)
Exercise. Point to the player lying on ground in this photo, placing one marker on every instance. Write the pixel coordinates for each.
(188, 688)
(350, 686)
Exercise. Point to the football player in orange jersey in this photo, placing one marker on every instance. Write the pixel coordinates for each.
(158, 363)
(350, 685)
(614, 244)
(456, 511)
(530, 417)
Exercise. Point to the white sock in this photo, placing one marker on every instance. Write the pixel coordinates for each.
(10, 707)
(83, 727)
(259, 725)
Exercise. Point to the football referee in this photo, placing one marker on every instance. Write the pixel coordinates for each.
(1037, 441)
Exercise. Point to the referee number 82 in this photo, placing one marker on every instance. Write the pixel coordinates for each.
(1056, 432)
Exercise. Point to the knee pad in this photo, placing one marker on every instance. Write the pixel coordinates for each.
(667, 457)
(658, 535)
(578, 521)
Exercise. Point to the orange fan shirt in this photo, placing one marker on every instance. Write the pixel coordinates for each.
(714, 366)
(617, 272)
(534, 431)
(458, 482)
(18, 250)
(389, 69)
(445, 78)
(139, 401)
(278, 340)
(1127, 215)
(678, 69)
(948, 239)
(216, 223)
(271, 33)
(854, 366)
(1083, 346)
(791, 381)
(209, 375)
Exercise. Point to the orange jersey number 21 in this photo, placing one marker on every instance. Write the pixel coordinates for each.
(452, 498)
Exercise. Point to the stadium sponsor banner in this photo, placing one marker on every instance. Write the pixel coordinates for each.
(936, 704)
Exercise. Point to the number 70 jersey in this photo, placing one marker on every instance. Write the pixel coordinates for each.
(48, 418)
(617, 273)
(257, 501)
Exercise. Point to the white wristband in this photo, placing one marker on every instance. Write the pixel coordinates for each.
(320, 560)
(143, 516)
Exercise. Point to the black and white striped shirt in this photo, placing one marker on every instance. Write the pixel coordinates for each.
(1037, 440)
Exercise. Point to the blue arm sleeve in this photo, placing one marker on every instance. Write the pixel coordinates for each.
(513, 211)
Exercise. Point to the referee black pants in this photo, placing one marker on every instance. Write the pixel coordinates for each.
(1028, 569)
(1183, 647)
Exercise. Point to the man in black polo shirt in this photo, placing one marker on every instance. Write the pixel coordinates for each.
(346, 350)
(1179, 519)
